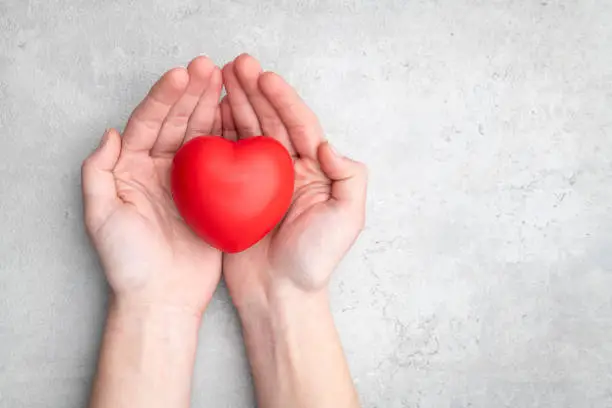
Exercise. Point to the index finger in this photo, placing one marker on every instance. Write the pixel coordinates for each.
(302, 124)
(146, 121)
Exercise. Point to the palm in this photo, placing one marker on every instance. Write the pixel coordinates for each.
(303, 221)
(147, 223)
(143, 242)
(302, 249)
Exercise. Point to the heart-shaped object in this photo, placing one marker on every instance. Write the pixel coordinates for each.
(232, 193)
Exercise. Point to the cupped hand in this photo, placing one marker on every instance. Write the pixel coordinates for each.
(149, 255)
(328, 208)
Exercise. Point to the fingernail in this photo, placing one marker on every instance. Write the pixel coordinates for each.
(333, 150)
(104, 138)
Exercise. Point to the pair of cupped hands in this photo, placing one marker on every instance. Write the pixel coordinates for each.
(152, 259)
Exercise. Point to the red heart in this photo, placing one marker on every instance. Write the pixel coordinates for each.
(232, 193)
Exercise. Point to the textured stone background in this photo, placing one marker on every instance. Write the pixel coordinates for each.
(484, 276)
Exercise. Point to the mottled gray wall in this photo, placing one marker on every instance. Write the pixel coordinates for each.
(484, 276)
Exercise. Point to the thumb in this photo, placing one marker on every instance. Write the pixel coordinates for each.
(98, 182)
(349, 178)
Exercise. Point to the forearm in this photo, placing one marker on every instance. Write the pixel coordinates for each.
(146, 359)
(295, 353)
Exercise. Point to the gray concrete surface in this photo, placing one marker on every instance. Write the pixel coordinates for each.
(484, 277)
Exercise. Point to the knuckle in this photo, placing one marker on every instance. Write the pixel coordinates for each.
(266, 79)
(247, 130)
(86, 164)
(92, 225)
(272, 121)
(301, 131)
(89, 222)
(180, 117)
(361, 171)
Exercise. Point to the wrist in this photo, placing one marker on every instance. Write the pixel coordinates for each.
(283, 302)
(157, 318)
(294, 351)
(161, 299)
(147, 354)
(285, 316)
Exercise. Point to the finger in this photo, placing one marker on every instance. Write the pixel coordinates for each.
(146, 121)
(174, 127)
(98, 183)
(217, 128)
(245, 118)
(248, 70)
(301, 123)
(203, 117)
(349, 178)
(227, 118)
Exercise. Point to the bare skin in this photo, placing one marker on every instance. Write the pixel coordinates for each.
(162, 276)
(279, 286)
